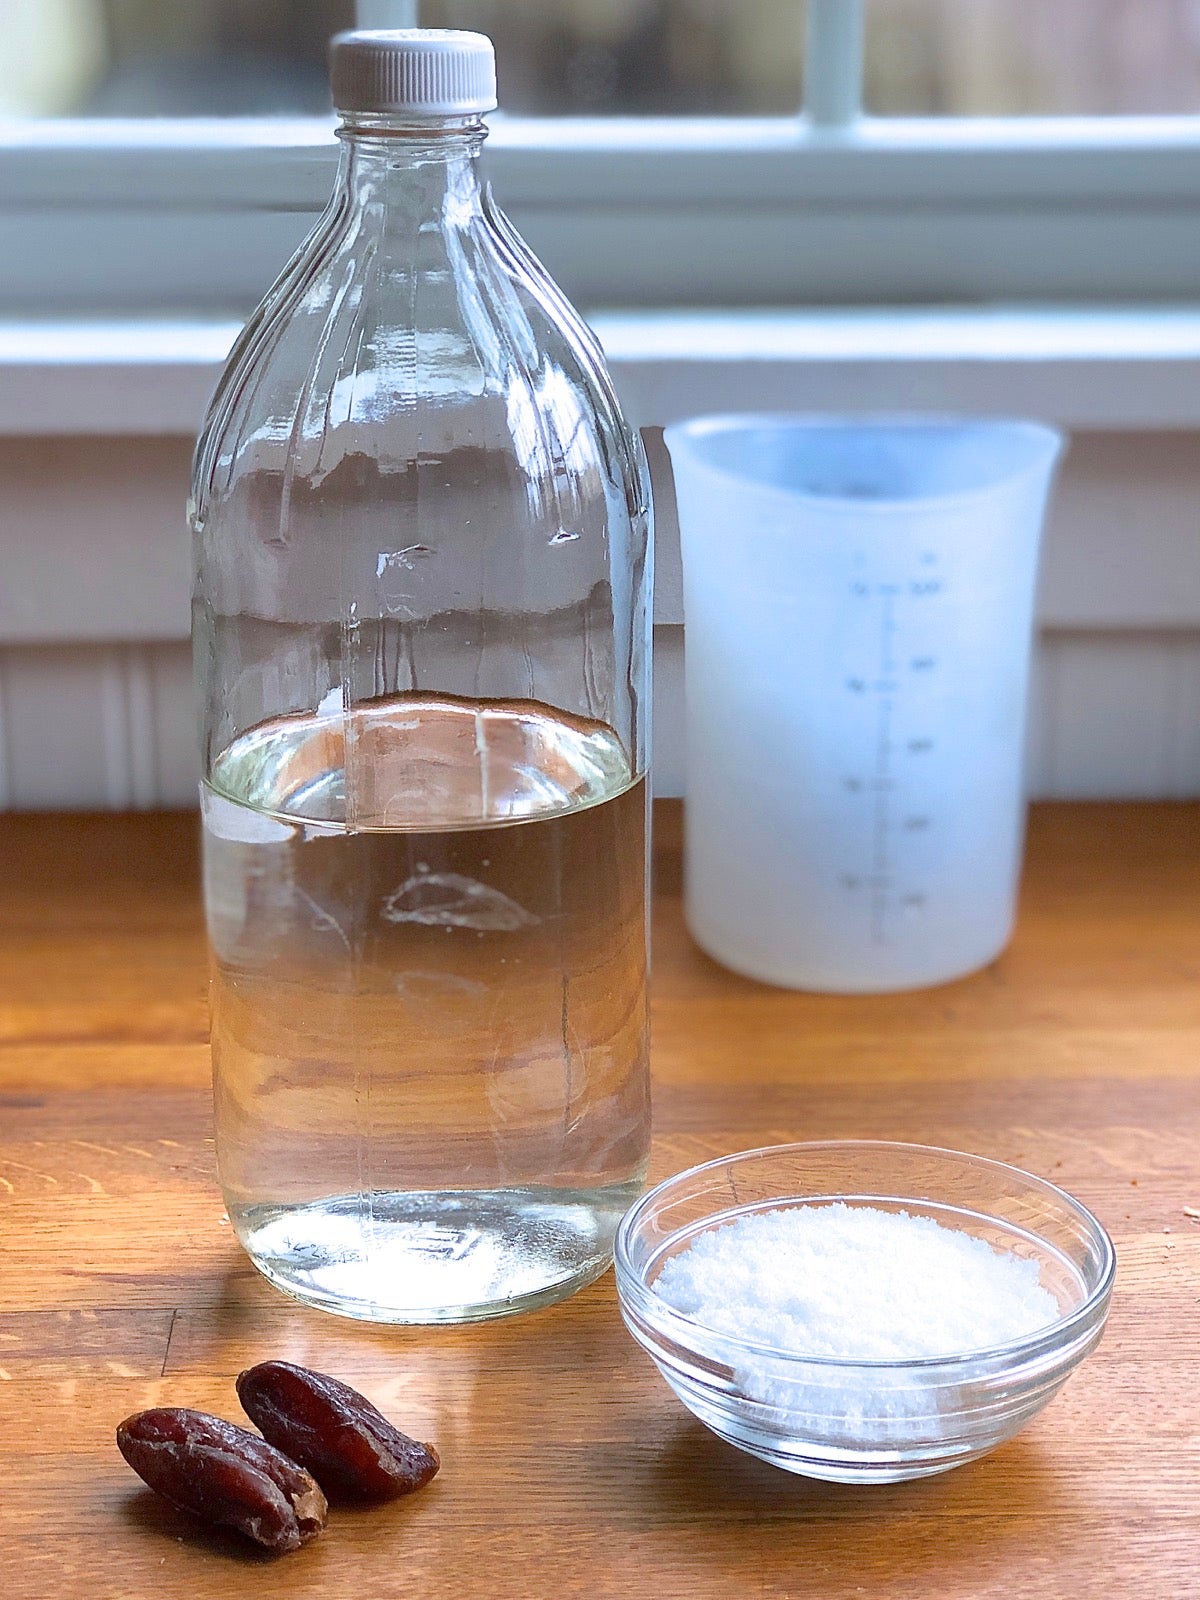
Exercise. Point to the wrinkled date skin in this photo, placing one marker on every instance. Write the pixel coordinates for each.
(224, 1475)
(348, 1446)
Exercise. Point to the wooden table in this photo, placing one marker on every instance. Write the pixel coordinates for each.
(569, 1468)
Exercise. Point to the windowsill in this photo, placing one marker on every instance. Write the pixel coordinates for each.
(1093, 368)
(286, 161)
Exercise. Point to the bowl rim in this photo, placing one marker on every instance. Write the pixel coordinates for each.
(666, 1319)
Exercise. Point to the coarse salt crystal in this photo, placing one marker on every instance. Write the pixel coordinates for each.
(852, 1284)
(855, 1283)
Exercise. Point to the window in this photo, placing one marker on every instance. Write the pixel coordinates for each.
(1012, 224)
(141, 58)
(124, 58)
(1008, 57)
(742, 201)
(128, 58)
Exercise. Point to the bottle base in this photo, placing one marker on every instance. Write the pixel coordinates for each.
(438, 1256)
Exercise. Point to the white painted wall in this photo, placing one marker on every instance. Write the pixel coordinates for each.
(95, 689)
(93, 544)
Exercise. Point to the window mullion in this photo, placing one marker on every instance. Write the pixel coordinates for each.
(833, 62)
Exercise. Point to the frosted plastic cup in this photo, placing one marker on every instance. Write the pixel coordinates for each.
(858, 599)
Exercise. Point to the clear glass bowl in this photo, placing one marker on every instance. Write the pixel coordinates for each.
(867, 1421)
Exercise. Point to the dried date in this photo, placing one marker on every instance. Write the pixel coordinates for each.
(224, 1475)
(350, 1447)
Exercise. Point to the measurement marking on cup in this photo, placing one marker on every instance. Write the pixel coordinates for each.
(882, 777)
(897, 816)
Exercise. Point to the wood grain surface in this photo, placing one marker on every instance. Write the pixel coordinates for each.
(569, 1468)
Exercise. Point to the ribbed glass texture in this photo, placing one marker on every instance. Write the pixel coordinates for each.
(421, 532)
(415, 473)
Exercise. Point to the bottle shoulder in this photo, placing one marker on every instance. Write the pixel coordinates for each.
(255, 353)
(586, 353)
(399, 339)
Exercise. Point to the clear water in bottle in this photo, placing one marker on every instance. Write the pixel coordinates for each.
(429, 1023)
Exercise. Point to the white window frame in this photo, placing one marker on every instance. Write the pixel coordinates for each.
(132, 248)
(825, 208)
(197, 215)
(828, 261)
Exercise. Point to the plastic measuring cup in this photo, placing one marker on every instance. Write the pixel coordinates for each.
(858, 600)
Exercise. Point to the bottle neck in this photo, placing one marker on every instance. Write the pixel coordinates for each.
(381, 155)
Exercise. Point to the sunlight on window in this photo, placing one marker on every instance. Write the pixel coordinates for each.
(55, 52)
(144, 58)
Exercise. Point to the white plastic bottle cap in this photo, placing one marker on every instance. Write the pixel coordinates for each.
(429, 71)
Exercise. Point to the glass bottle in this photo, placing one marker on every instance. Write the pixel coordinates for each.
(421, 532)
